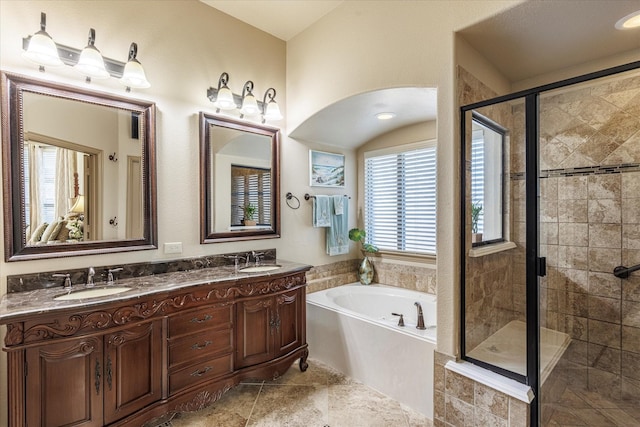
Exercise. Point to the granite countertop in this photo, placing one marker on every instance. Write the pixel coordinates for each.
(42, 300)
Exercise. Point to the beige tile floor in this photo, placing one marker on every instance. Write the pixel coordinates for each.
(319, 397)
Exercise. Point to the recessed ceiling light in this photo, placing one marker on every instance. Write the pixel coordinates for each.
(385, 116)
(630, 21)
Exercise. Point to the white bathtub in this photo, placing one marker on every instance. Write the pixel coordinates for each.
(351, 329)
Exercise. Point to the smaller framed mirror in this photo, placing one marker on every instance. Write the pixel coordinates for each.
(239, 180)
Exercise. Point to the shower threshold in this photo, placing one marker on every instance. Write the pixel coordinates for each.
(507, 349)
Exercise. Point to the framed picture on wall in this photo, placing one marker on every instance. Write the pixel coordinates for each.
(326, 169)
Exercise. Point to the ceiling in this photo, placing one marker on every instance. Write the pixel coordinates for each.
(528, 40)
(538, 37)
(281, 18)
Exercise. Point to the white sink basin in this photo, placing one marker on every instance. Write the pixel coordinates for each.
(260, 268)
(92, 293)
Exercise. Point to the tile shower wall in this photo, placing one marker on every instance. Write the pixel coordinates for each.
(590, 223)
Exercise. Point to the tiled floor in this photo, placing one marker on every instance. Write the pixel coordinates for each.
(319, 397)
(579, 407)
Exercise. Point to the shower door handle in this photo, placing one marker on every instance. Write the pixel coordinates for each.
(542, 266)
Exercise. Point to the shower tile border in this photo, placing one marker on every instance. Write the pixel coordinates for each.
(582, 171)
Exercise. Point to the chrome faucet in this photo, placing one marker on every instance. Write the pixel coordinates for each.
(420, 324)
(257, 256)
(92, 272)
(110, 279)
(67, 279)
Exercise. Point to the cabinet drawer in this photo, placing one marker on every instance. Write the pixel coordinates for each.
(206, 343)
(206, 318)
(200, 372)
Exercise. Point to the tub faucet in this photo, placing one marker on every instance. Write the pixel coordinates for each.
(420, 324)
(92, 272)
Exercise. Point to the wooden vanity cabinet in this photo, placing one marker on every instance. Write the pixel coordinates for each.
(94, 380)
(268, 327)
(134, 362)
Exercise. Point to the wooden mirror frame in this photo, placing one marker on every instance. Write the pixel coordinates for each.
(16, 249)
(206, 236)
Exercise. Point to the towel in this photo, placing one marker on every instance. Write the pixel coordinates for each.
(338, 204)
(321, 211)
(338, 232)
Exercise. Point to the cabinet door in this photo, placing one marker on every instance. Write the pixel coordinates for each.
(255, 331)
(132, 369)
(289, 321)
(64, 383)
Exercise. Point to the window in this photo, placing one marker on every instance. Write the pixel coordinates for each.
(487, 140)
(250, 185)
(43, 186)
(400, 198)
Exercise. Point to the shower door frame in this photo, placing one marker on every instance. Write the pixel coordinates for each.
(535, 265)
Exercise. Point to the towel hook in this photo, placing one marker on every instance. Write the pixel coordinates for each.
(289, 197)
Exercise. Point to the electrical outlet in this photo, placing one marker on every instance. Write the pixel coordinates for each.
(173, 248)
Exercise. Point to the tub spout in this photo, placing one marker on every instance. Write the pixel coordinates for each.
(420, 324)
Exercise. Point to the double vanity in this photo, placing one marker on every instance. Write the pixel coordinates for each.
(164, 343)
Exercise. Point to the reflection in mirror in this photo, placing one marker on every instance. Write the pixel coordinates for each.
(487, 145)
(77, 160)
(239, 179)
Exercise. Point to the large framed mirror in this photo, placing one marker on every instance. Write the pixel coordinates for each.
(79, 171)
(239, 180)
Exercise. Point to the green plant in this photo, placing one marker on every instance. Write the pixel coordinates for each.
(358, 235)
(476, 210)
(249, 210)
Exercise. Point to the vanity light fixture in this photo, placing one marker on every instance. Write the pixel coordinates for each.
(91, 63)
(249, 103)
(133, 74)
(271, 111)
(224, 99)
(41, 49)
(630, 21)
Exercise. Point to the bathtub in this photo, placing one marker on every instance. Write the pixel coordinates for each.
(351, 329)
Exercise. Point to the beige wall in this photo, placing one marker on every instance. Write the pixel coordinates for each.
(185, 45)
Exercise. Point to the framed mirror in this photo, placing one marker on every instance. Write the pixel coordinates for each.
(78, 169)
(239, 180)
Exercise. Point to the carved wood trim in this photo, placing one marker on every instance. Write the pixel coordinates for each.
(14, 335)
(203, 399)
(122, 315)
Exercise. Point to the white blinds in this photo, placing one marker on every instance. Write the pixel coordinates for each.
(250, 185)
(400, 199)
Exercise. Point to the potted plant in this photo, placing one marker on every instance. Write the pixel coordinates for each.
(476, 210)
(365, 271)
(249, 210)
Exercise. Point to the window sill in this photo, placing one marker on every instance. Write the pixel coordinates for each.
(406, 258)
(491, 249)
